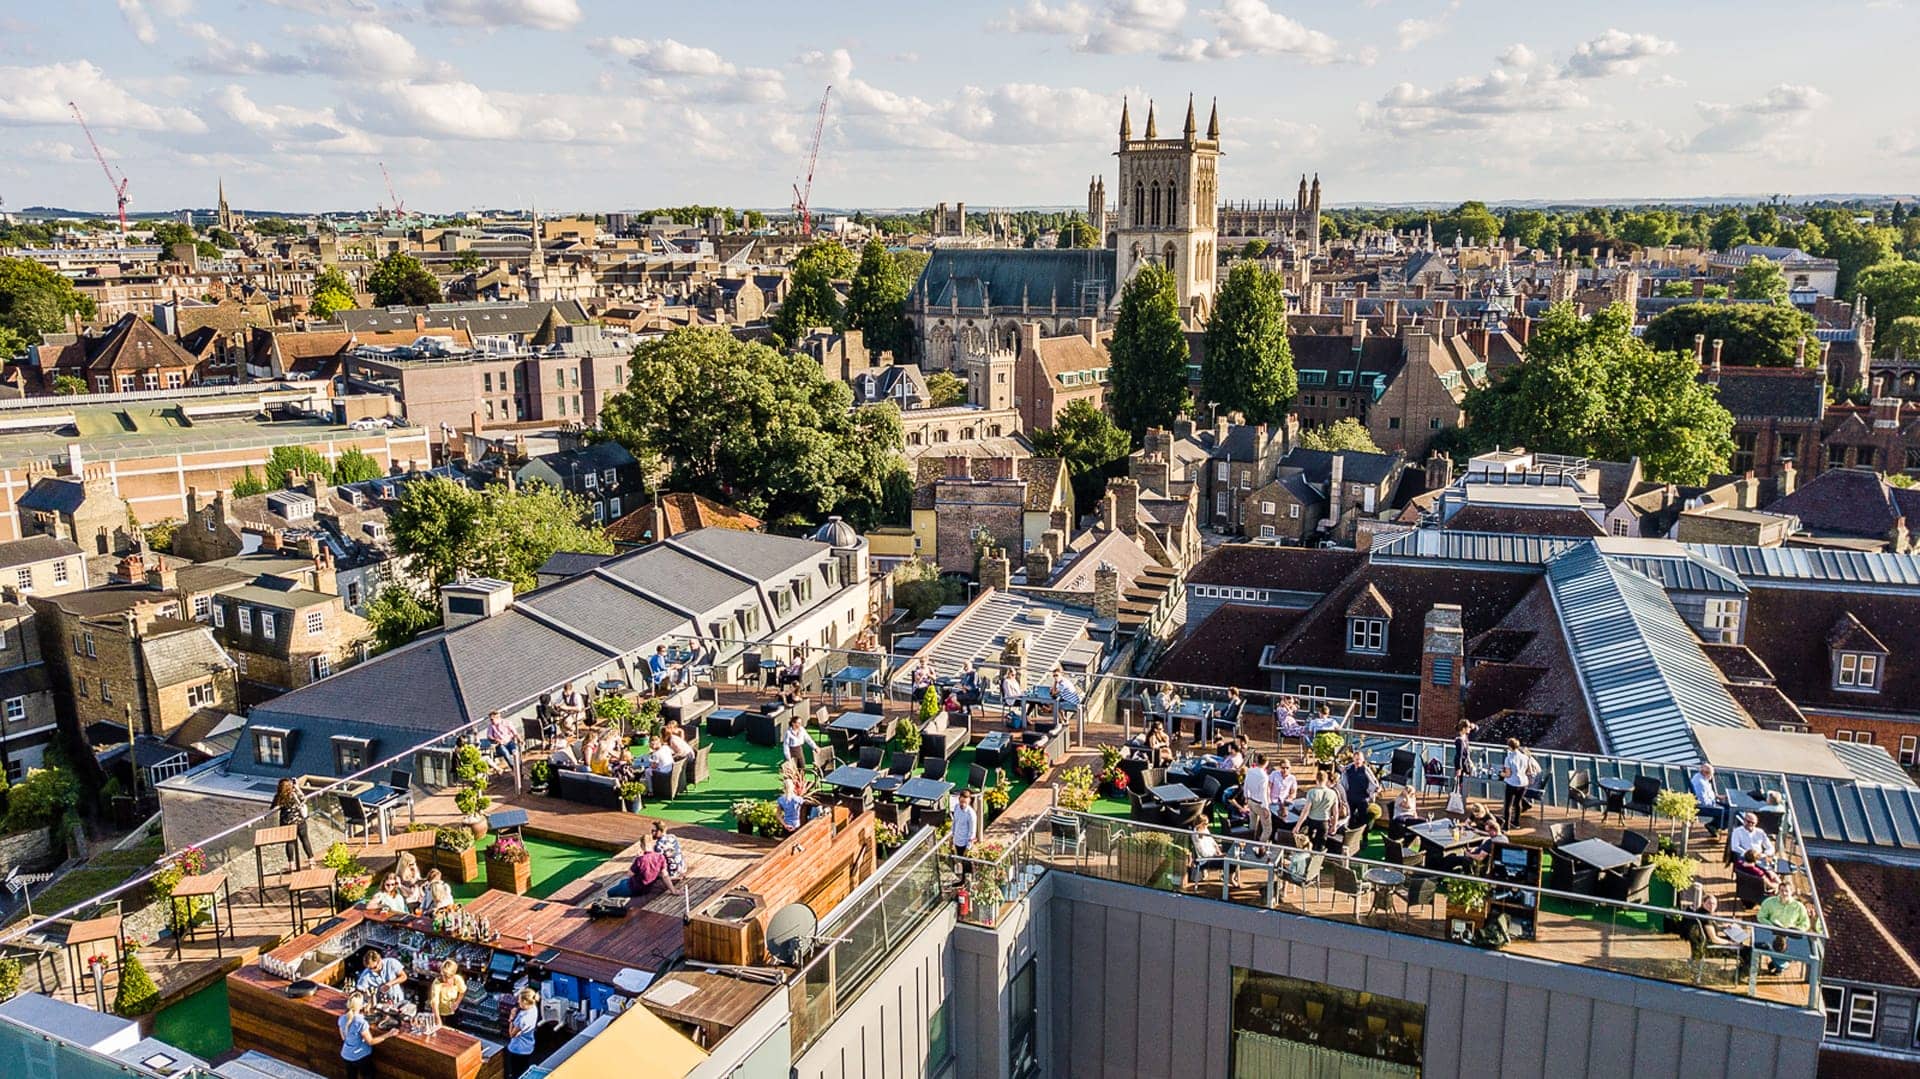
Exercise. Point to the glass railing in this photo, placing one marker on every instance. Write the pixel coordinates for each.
(1682, 947)
(861, 935)
(997, 873)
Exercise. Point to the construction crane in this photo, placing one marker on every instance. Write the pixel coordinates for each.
(399, 208)
(802, 196)
(120, 185)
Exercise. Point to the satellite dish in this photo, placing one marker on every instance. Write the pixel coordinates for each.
(790, 933)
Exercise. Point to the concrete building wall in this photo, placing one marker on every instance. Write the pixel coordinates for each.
(1141, 985)
(884, 1033)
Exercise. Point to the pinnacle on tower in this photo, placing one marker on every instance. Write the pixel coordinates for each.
(1153, 129)
(1126, 122)
(1213, 122)
(1188, 131)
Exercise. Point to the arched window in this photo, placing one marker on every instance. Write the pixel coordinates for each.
(1173, 204)
(1170, 254)
(1139, 204)
(1156, 202)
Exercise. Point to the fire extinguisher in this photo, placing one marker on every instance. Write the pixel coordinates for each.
(966, 902)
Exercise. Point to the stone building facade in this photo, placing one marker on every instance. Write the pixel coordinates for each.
(1169, 198)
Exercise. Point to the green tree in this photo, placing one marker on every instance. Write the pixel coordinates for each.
(1147, 374)
(877, 301)
(756, 427)
(1248, 367)
(1653, 229)
(68, 385)
(249, 483)
(1675, 290)
(285, 460)
(1341, 434)
(756, 219)
(34, 301)
(1714, 292)
(169, 233)
(1525, 226)
(354, 466)
(401, 279)
(467, 261)
(1753, 335)
(1892, 291)
(1087, 440)
(452, 530)
(1729, 231)
(398, 614)
(206, 249)
(1760, 279)
(1470, 220)
(1254, 248)
(1856, 248)
(42, 798)
(919, 587)
(1901, 338)
(137, 994)
(1589, 388)
(944, 388)
(331, 293)
(811, 298)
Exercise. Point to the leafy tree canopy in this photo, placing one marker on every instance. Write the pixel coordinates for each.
(1589, 388)
(1087, 440)
(1675, 290)
(1341, 434)
(1147, 376)
(1078, 233)
(354, 466)
(877, 302)
(285, 460)
(1892, 290)
(1760, 279)
(944, 388)
(169, 233)
(454, 531)
(756, 427)
(1755, 335)
(401, 279)
(68, 385)
(33, 301)
(331, 293)
(398, 614)
(811, 298)
(1901, 338)
(1248, 367)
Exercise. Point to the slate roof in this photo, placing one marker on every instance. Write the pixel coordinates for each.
(21, 552)
(1850, 636)
(1334, 352)
(1043, 476)
(1851, 502)
(572, 563)
(512, 319)
(1224, 649)
(1372, 469)
(1873, 925)
(1525, 520)
(131, 344)
(757, 555)
(1788, 628)
(54, 495)
(556, 467)
(1319, 639)
(186, 655)
(1003, 275)
(1289, 569)
(1759, 393)
(603, 612)
(679, 577)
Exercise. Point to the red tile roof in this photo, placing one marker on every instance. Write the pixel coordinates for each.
(1873, 924)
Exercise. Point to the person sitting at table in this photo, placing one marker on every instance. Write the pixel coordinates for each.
(357, 1038)
(1066, 695)
(1361, 787)
(1783, 910)
(1208, 855)
(1230, 711)
(795, 743)
(659, 756)
(1406, 810)
(572, 707)
(648, 868)
(1322, 720)
(407, 868)
(664, 671)
(1714, 809)
(1473, 858)
(788, 680)
(669, 847)
(1230, 750)
(388, 899)
(950, 704)
(1705, 930)
(922, 676)
(1750, 865)
(381, 978)
(1238, 808)
(435, 892)
(1159, 746)
(676, 738)
(504, 740)
(1323, 808)
(970, 691)
(1748, 835)
(447, 991)
(564, 755)
(791, 805)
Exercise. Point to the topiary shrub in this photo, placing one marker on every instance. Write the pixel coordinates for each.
(137, 994)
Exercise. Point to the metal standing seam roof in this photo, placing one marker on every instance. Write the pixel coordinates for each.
(1814, 565)
(1684, 574)
(1428, 545)
(1640, 666)
(1870, 763)
(980, 632)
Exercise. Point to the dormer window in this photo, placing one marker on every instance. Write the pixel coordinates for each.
(1858, 671)
(270, 745)
(1367, 635)
(1859, 657)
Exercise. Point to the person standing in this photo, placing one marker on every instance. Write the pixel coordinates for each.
(1255, 789)
(1323, 805)
(357, 1038)
(1518, 771)
(966, 827)
(520, 1032)
(1462, 762)
(447, 991)
(293, 814)
(796, 742)
(381, 978)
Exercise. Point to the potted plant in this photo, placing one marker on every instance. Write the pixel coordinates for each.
(509, 866)
(1113, 781)
(470, 765)
(886, 840)
(9, 978)
(1681, 808)
(1675, 871)
(1146, 858)
(998, 796)
(351, 879)
(540, 777)
(1327, 745)
(472, 802)
(743, 815)
(453, 853)
(910, 738)
(137, 995)
(1076, 791)
(987, 883)
(617, 710)
(1031, 760)
(766, 819)
(1467, 901)
(633, 794)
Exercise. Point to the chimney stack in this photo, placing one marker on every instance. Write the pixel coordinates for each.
(1717, 343)
(1108, 509)
(995, 572)
(1442, 678)
(1106, 592)
(1125, 491)
(1039, 565)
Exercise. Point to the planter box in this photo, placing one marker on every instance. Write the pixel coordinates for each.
(515, 877)
(460, 867)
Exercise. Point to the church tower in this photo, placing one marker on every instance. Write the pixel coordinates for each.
(223, 217)
(1169, 192)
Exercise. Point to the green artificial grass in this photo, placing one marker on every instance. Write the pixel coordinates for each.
(555, 865)
(197, 1024)
(739, 769)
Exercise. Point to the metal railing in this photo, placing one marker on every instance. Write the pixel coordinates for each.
(997, 874)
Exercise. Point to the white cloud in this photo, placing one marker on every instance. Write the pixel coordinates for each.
(669, 57)
(1412, 33)
(461, 110)
(1513, 89)
(39, 95)
(1115, 27)
(1516, 55)
(1615, 52)
(534, 14)
(288, 127)
(140, 20)
(359, 48)
(675, 71)
(330, 8)
(1251, 28)
(1774, 124)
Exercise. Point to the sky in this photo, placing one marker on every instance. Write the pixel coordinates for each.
(598, 105)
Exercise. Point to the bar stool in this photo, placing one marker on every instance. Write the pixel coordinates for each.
(286, 837)
(211, 886)
(304, 883)
(86, 940)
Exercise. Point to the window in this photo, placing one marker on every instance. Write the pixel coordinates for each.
(246, 619)
(16, 709)
(1409, 707)
(1909, 749)
(1022, 1042)
(1836, 456)
(1865, 738)
(1723, 618)
(608, 477)
(1266, 509)
(1366, 635)
(486, 381)
(1221, 502)
(1858, 671)
(24, 577)
(1293, 511)
(613, 507)
(1266, 531)
(174, 380)
(316, 621)
(353, 593)
(349, 754)
(1789, 448)
(200, 696)
(1223, 471)
(60, 572)
(266, 624)
(1433, 424)
(240, 662)
(210, 522)
(106, 692)
(1372, 704)
(1843, 736)
(201, 606)
(939, 1039)
(1833, 1000)
(321, 667)
(219, 616)
(1863, 1006)
(87, 638)
(1743, 442)
(1393, 423)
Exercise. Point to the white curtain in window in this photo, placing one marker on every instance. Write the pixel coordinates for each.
(1262, 1056)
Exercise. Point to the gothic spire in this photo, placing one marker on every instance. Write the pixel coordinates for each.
(1126, 122)
(1188, 131)
(1153, 129)
(1213, 121)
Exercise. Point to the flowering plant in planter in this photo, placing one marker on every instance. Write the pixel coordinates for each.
(508, 848)
(1112, 779)
(999, 796)
(1032, 760)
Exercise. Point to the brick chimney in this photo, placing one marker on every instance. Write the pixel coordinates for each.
(1442, 671)
(1089, 328)
(1126, 510)
(1700, 351)
(1717, 345)
(1106, 592)
(1521, 326)
(133, 566)
(271, 540)
(1039, 564)
(1897, 535)
(1029, 337)
(161, 575)
(325, 578)
(1336, 497)
(1108, 509)
(994, 569)
(1054, 542)
(1788, 479)
(1390, 315)
(1439, 471)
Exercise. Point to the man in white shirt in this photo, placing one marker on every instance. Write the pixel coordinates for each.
(1518, 771)
(1254, 788)
(1748, 835)
(1282, 788)
(966, 827)
(1713, 806)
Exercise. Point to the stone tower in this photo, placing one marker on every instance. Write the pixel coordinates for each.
(1169, 192)
(1097, 209)
(223, 216)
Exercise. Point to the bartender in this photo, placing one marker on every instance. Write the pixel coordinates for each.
(357, 1038)
(447, 991)
(381, 978)
(520, 1032)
